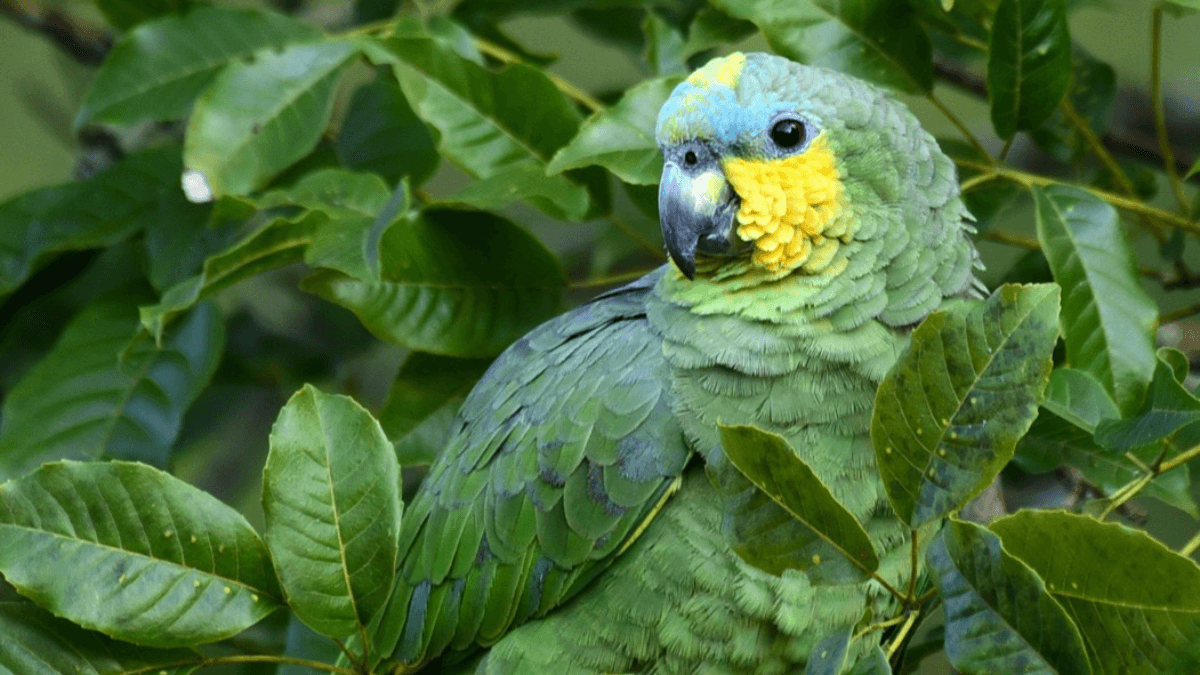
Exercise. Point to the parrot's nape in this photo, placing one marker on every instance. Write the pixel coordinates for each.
(583, 517)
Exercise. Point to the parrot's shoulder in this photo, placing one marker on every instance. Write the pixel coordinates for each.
(561, 453)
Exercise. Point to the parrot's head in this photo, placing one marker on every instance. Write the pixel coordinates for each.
(777, 166)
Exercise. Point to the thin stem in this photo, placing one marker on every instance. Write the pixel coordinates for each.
(244, 658)
(1081, 125)
(1177, 460)
(1156, 101)
(978, 179)
(903, 634)
(501, 54)
(612, 279)
(351, 657)
(1190, 547)
(1177, 314)
(1012, 240)
(915, 566)
(962, 128)
(1131, 489)
(1006, 148)
(881, 625)
(1133, 205)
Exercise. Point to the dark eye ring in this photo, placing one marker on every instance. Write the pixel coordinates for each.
(690, 158)
(787, 133)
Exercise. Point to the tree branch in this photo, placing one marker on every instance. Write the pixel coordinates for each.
(87, 49)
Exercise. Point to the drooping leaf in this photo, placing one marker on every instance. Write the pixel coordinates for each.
(1169, 407)
(999, 616)
(1079, 398)
(458, 283)
(1107, 319)
(257, 118)
(621, 138)
(1029, 63)
(949, 413)
(94, 213)
(132, 552)
(106, 390)
(277, 243)
(331, 495)
(423, 402)
(1136, 602)
(832, 547)
(877, 40)
(381, 133)
(156, 70)
(490, 123)
(37, 642)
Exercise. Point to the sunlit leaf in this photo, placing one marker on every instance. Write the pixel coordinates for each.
(423, 402)
(1029, 63)
(257, 118)
(331, 495)
(949, 413)
(106, 390)
(37, 642)
(1107, 319)
(1169, 407)
(458, 283)
(156, 70)
(999, 616)
(877, 40)
(830, 544)
(381, 133)
(621, 138)
(1136, 602)
(134, 553)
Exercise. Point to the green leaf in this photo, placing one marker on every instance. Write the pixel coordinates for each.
(664, 46)
(1107, 319)
(874, 663)
(124, 14)
(1169, 407)
(458, 283)
(134, 553)
(277, 243)
(423, 402)
(95, 213)
(331, 496)
(156, 70)
(491, 123)
(999, 616)
(1136, 602)
(712, 28)
(1181, 8)
(828, 657)
(1029, 63)
(949, 413)
(106, 390)
(382, 134)
(621, 138)
(1195, 168)
(832, 547)
(986, 201)
(877, 40)
(522, 181)
(1079, 398)
(258, 118)
(1092, 93)
(37, 642)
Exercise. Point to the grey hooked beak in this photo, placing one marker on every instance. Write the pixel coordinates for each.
(696, 207)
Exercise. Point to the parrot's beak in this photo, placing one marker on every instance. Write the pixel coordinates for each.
(696, 207)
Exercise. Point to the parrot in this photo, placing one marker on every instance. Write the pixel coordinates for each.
(582, 516)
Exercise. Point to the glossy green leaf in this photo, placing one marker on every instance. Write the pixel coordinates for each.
(258, 118)
(423, 402)
(1029, 63)
(999, 616)
(1092, 94)
(277, 243)
(156, 70)
(106, 390)
(828, 657)
(1136, 602)
(132, 552)
(832, 546)
(1168, 407)
(621, 138)
(490, 123)
(1079, 398)
(458, 283)
(331, 495)
(129, 196)
(1107, 319)
(522, 181)
(877, 40)
(37, 642)
(382, 134)
(124, 14)
(664, 46)
(949, 413)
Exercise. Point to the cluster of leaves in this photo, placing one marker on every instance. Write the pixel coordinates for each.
(127, 338)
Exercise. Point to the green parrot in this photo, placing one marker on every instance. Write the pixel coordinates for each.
(583, 518)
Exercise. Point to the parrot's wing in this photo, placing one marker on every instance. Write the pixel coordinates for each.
(562, 453)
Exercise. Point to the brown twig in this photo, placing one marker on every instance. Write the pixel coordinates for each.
(61, 30)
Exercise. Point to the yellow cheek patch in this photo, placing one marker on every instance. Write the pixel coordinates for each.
(725, 71)
(792, 209)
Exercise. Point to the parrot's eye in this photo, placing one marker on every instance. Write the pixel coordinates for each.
(787, 133)
(690, 158)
